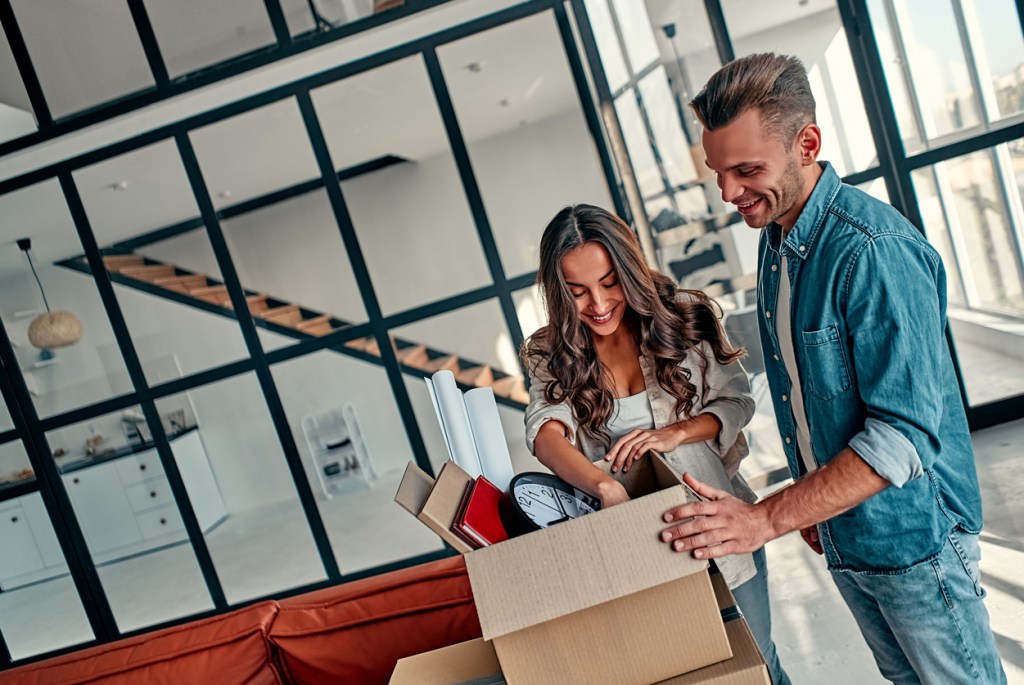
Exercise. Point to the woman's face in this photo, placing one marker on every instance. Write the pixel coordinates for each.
(591, 278)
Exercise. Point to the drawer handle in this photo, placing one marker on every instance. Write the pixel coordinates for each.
(74, 480)
(163, 522)
(142, 467)
(152, 493)
(14, 519)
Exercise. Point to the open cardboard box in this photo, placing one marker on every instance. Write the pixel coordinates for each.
(599, 599)
(475, 663)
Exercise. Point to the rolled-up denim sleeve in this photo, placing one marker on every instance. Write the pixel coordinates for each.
(539, 411)
(896, 317)
(728, 398)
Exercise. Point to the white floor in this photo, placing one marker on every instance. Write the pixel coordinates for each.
(263, 551)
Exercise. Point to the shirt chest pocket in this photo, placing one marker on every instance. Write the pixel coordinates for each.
(827, 375)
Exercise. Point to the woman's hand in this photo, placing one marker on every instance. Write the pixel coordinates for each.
(611, 492)
(636, 443)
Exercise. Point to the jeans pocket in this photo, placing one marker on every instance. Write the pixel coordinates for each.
(827, 373)
(967, 550)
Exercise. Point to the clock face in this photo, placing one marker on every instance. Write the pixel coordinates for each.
(544, 500)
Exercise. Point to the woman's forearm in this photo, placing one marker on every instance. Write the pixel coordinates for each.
(698, 429)
(553, 449)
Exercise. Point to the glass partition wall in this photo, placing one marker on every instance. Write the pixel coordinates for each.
(261, 288)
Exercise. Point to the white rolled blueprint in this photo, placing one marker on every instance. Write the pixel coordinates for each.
(489, 436)
(451, 414)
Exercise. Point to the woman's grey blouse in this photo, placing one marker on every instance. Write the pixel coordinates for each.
(715, 462)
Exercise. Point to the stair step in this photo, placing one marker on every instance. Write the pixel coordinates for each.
(480, 376)
(318, 325)
(513, 388)
(257, 303)
(149, 273)
(414, 356)
(286, 315)
(116, 262)
(214, 294)
(182, 284)
(448, 362)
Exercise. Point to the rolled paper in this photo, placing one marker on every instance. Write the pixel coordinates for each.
(489, 437)
(451, 410)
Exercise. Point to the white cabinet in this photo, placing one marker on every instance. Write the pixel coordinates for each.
(124, 506)
(30, 548)
(103, 509)
(20, 552)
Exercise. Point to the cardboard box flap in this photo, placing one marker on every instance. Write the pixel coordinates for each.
(414, 489)
(576, 565)
(462, 662)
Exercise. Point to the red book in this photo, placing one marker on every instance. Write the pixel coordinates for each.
(478, 521)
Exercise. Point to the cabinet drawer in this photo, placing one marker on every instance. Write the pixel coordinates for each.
(149, 494)
(139, 467)
(159, 522)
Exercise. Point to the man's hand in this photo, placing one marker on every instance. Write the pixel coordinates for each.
(637, 442)
(810, 536)
(718, 527)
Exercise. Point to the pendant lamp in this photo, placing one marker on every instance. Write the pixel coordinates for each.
(52, 329)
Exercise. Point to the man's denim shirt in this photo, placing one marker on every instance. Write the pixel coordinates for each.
(868, 310)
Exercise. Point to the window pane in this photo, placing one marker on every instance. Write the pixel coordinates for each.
(665, 124)
(40, 610)
(169, 287)
(84, 53)
(984, 237)
(608, 46)
(255, 153)
(688, 52)
(132, 526)
(876, 189)
(16, 117)
(999, 53)
(638, 144)
(897, 75)
(636, 33)
(404, 193)
(248, 504)
(58, 378)
(6, 422)
(193, 33)
(344, 419)
(935, 57)
(298, 16)
(761, 27)
(520, 116)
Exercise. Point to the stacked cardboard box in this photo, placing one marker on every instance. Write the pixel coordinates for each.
(595, 600)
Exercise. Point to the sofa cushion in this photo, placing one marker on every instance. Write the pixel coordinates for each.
(356, 632)
(228, 649)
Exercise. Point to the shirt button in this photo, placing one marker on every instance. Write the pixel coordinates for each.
(776, 357)
(785, 398)
(803, 249)
(768, 314)
(775, 267)
(789, 440)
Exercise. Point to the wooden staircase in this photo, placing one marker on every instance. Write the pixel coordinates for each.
(292, 319)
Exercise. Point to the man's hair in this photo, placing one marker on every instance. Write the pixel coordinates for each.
(774, 84)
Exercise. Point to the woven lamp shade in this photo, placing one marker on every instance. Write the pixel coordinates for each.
(54, 329)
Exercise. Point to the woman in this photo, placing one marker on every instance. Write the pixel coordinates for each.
(626, 365)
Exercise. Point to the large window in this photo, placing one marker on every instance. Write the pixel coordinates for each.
(262, 289)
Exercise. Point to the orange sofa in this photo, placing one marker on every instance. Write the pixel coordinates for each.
(349, 634)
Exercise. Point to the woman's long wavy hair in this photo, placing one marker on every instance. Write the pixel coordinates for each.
(667, 326)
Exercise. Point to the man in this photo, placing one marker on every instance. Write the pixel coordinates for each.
(851, 303)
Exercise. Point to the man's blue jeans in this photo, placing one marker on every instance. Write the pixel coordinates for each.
(752, 598)
(927, 623)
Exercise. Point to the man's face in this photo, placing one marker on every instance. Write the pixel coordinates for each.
(756, 171)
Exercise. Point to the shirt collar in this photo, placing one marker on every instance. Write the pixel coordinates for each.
(801, 239)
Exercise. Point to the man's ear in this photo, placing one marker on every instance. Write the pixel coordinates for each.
(808, 144)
